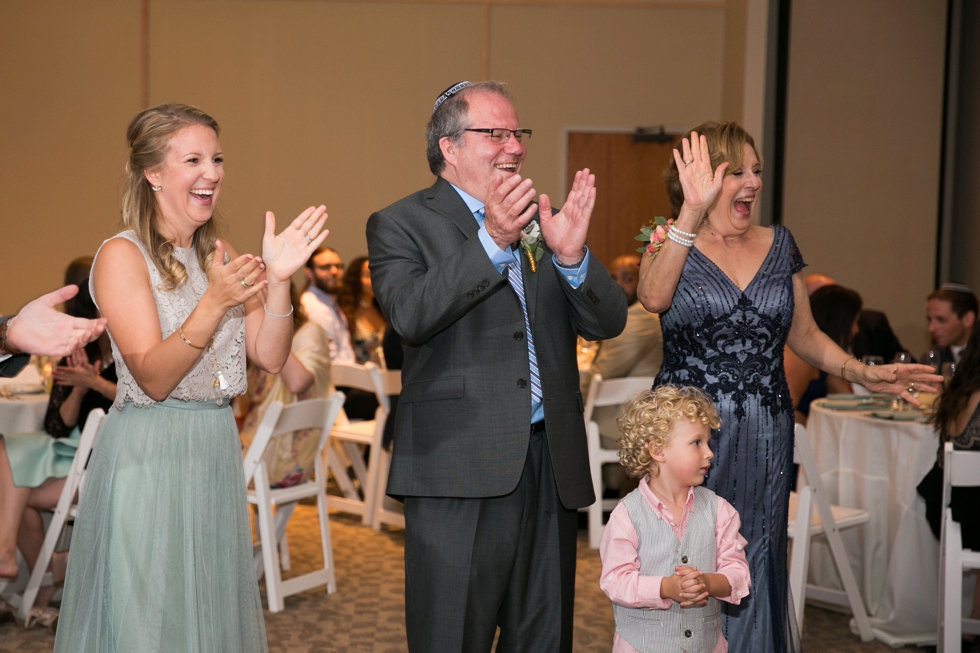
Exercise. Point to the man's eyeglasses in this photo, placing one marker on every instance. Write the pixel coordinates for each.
(501, 135)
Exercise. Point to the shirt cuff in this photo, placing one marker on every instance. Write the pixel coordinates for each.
(498, 257)
(4, 357)
(574, 275)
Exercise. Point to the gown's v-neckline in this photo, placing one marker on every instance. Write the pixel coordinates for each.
(765, 259)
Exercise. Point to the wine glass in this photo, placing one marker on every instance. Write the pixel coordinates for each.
(903, 357)
(948, 370)
(932, 357)
(872, 360)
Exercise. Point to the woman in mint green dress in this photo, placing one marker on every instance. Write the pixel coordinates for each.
(161, 558)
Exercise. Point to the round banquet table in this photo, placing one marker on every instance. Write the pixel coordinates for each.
(23, 413)
(875, 464)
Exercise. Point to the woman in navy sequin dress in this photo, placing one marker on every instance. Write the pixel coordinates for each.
(728, 305)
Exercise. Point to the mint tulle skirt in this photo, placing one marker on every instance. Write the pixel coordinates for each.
(161, 555)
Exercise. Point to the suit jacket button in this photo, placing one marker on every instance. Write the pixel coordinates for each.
(684, 559)
(518, 335)
(521, 383)
(485, 284)
(687, 633)
(469, 295)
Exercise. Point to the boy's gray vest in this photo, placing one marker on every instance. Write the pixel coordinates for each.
(677, 629)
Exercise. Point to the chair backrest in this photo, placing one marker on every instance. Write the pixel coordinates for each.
(613, 392)
(86, 442)
(960, 469)
(803, 456)
(279, 419)
(367, 377)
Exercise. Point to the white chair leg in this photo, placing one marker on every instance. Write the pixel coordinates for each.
(371, 485)
(800, 559)
(325, 542)
(953, 589)
(273, 576)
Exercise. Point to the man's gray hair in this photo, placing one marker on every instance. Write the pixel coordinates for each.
(449, 121)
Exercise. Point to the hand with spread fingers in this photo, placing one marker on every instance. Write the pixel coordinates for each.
(508, 208)
(700, 184)
(899, 379)
(78, 372)
(288, 251)
(39, 328)
(235, 282)
(566, 230)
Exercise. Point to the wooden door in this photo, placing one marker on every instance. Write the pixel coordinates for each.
(629, 187)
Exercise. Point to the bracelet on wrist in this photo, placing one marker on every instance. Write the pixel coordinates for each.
(680, 240)
(683, 233)
(5, 345)
(271, 314)
(180, 330)
(843, 366)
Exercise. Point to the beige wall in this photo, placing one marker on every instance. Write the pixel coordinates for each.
(864, 117)
(318, 101)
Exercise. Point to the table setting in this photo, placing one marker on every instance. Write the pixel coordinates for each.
(24, 398)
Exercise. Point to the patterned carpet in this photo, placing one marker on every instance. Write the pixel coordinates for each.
(365, 615)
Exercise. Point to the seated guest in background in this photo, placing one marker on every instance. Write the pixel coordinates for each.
(306, 375)
(951, 311)
(874, 337)
(33, 466)
(835, 309)
(957, 418)
(321, 301)
(364, 318)
(324, 272)
(637, 351)
(39, 328)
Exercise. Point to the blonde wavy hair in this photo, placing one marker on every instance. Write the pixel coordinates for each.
(648, 417)
(148, 137)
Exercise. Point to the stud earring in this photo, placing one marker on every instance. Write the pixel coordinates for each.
(156, 189)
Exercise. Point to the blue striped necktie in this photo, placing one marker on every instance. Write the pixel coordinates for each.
(517, 283)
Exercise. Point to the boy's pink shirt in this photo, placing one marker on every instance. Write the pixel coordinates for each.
(621, 579)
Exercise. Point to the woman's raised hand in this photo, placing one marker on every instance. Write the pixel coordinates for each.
(234, 282)
(78, 372)
(902, 380)
(287, 252)
(700, 184)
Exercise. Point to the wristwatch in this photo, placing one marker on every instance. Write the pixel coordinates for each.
(5, 347)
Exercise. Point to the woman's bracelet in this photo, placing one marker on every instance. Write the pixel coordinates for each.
(180, 330)
(680, 240)
(271, 314)
(682, 233)
(844, 365)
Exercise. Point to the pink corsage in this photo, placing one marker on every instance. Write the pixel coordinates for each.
(654, 234)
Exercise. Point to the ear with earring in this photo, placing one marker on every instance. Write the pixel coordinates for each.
(156, 189)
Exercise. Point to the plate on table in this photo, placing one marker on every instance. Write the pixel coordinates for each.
(878, 396)
(898, 415)
(862, 402)
(15, 389)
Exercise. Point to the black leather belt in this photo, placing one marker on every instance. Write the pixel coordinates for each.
(537, 427)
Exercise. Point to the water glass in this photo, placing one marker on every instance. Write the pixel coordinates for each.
(932, 358)
(949, 369)
(872, 360)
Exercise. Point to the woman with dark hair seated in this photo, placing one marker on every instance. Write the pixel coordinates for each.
(957, 419)
(33, 466)
(835, 310)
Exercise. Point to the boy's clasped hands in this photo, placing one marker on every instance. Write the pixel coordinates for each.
(691, 588)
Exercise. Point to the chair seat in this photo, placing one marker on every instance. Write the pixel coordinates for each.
(359, 432)
(843, 517)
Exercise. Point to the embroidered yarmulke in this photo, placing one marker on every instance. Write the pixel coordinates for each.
(956, 287)
(448, 93)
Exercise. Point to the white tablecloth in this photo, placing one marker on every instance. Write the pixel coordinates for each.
(23, 414)
(876, 464)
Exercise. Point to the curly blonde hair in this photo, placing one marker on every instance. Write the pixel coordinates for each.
(647, 419)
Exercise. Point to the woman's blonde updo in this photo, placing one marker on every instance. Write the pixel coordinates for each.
(647, 419)
(726, 141)
(148, 136)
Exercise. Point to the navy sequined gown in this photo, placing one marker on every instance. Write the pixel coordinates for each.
(729, 343)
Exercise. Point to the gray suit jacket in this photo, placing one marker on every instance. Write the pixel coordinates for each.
(12, 366)
(463, 418)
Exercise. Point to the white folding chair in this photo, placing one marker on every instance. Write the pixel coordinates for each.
(347, 438)
(609, 392)
(960, 469)
(392, 381)
(66, 508)
(279, 419)
(828, 520)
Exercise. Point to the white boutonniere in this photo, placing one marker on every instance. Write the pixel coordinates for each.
(531, 244)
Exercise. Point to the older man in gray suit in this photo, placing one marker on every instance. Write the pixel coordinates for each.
(489, 291)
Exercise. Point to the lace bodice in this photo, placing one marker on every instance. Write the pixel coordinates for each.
(173, 307)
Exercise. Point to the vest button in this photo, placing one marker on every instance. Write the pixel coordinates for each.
(684, 559)
(521, 383)
(518, 335)
(687, 633)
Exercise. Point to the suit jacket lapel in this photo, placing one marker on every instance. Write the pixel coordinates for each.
(444, 200)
